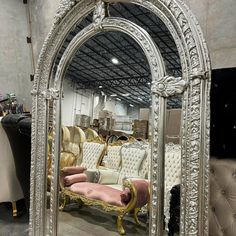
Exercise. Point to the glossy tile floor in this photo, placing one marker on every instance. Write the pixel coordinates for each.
(86, 221)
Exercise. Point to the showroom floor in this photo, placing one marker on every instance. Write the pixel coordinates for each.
(85, 222)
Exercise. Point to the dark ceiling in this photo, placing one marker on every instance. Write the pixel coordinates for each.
(128, 81)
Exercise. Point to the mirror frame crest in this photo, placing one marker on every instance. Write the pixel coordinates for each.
(196, 72)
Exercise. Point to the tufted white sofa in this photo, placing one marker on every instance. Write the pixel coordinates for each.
(132, 157)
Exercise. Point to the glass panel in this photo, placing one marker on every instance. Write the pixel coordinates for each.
(105, 128)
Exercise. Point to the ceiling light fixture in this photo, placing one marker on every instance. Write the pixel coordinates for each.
(113, 95)
(125, 94)
(115, 61)
(140, 99)
(131, 105)
(100, 86)
(118, 99)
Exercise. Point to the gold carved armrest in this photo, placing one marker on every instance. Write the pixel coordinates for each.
(139, 189)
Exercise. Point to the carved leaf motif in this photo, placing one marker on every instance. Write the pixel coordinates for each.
(169, 86)
(99, 13)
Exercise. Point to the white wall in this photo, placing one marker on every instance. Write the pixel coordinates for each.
(116, 107)
(82, 102)
(133, 112)
(74, 102)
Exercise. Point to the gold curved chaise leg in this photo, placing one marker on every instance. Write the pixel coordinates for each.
(120, 227)
(136, 211)
(64, 200)
(14, 209)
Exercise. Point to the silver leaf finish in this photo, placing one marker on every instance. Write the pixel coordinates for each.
(99, 13)
(195, 63)
(168, 86)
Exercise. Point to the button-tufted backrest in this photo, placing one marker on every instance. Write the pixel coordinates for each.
(113, 158)
(144, 171)
(132, 156)
(222, 218)
(172, 173)
(93, 151)
(172, 165)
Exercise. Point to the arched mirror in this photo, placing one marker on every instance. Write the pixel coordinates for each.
(120, 118)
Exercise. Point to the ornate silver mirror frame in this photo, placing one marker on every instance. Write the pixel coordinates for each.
(195, 125)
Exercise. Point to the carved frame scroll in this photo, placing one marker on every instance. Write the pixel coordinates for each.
(195, 85)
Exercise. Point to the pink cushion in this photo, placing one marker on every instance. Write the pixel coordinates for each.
(98, 192)
(125, 195)
(74, 170)
(141, 187)
(71, 179)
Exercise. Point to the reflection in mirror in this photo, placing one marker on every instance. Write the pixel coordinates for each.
(172, 161)
(106, 108)
(105, 119)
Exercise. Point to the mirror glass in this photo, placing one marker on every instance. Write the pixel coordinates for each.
(106, 106)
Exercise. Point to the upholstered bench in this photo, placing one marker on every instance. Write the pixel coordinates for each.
(222, 204)
(135, 193)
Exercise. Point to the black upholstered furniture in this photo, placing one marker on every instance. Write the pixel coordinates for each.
(173, 224)
(18, 130)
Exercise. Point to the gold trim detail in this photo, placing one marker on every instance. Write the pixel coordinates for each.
(121, 210)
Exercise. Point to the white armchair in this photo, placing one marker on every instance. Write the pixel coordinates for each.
(93, 152)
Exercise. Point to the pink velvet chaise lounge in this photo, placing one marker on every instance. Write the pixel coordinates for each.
(135, 193)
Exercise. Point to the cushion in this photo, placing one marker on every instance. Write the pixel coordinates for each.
(116, 186)
(108, 176)
(125, 195)
(71, 179)
(98, 192)
(74, 170)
